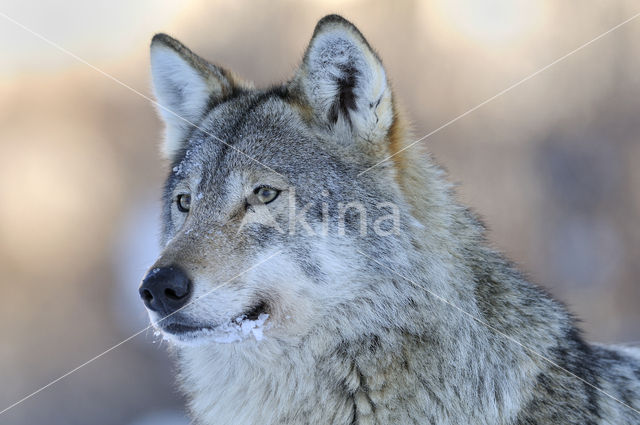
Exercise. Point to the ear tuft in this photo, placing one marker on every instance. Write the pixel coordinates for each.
(183, 84)
(344, 81)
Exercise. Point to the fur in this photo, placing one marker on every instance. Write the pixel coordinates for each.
(363, 328)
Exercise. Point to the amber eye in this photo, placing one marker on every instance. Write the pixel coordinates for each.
(266, 194)
(184, 202)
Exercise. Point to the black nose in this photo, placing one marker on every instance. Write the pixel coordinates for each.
(165, 289)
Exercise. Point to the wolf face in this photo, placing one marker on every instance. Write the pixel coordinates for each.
(263, 210)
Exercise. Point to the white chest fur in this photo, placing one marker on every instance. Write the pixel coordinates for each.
(256, 383)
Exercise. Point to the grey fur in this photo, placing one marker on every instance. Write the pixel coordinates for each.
(353, 340)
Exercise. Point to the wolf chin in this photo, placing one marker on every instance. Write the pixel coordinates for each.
(424, 324)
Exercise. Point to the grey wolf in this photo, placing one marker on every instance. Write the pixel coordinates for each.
(278, 324)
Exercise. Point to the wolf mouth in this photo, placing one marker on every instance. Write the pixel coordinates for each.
(185, 328)
(254, 312)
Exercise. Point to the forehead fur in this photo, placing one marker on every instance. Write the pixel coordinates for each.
(262, 131)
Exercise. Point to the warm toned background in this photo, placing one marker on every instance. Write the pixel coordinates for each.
(553, 166)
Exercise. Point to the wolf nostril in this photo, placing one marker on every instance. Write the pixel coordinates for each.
(171, 293)
(146, 295)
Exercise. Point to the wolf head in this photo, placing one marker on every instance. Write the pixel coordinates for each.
(265, 215)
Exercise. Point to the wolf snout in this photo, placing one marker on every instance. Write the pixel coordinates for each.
(165, 289)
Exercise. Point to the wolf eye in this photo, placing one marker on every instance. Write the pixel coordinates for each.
(183, 201)
(265, 194)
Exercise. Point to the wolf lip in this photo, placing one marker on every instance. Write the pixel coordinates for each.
(179, 328)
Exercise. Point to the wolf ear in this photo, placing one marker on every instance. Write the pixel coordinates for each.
(345, 83)
(183, 84)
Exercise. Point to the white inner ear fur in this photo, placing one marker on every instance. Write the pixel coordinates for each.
(330, 53)
(182, 93)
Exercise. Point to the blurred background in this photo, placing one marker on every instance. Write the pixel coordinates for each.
(553, 166)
